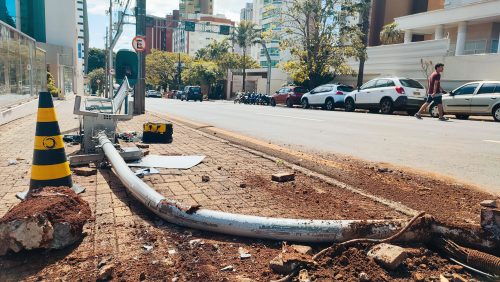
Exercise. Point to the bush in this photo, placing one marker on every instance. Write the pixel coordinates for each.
(51, 86)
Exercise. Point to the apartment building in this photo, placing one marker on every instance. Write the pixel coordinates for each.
(187, 7)
(462, 34)
(207, 30)
(246, 14)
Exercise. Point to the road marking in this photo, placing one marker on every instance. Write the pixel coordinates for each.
(310, 119)
(492, 141)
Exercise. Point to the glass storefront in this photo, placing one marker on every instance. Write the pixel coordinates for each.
(22, 66)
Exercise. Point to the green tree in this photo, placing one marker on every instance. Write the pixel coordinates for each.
(162, 67)
(51, 85)
(320, 39)
(202, 73)
(95, 76)
(390, 34)
(245, 35)
(97, 59)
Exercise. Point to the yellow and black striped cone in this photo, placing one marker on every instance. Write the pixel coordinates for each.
(50, 166)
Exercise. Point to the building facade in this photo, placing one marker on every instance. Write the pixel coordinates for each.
(59, 36)
(246, 13)
(267, 16)
(207, 30)
(187, 7)
(462, 34)
(156, 34)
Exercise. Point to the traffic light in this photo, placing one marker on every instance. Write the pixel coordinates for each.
(126, 65)
(189, 26)
(224, 29)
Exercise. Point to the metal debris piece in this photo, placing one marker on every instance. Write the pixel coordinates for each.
(146, 171)
(178, 162)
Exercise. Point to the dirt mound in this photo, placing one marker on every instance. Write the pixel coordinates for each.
(49, 218)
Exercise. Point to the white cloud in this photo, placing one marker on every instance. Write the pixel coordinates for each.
(97, 7)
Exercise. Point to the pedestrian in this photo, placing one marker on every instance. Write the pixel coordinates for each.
(435, 93)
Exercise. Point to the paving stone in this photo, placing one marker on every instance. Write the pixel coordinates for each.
(84, 171)
(283, 176)
(389, 256)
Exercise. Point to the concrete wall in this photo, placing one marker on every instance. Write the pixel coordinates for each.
(435, 5)
(256, 81)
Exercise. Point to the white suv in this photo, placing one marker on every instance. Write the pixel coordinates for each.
(387, 94)
(328, 96)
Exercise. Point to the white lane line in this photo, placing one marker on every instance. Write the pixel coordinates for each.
(492, 141)
(310, 119)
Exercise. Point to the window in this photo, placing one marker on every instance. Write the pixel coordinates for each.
(344, 88)
(494, 46)
(384, 83)
(411, 83)
(368, 85)
(466, 89)
(300, 90)
(489, 88)
(475, 47)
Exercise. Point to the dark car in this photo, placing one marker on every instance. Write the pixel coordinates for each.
(192, 93)
(289, 96)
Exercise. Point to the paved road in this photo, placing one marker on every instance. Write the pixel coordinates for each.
(466, 150)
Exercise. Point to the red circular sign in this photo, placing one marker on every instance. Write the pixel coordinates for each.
(139, 43)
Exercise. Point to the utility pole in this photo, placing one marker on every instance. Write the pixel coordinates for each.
(106, 44)
(140, 29)
(110, 50)
(365, 25)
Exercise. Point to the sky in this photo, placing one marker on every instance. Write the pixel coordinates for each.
(98, 20)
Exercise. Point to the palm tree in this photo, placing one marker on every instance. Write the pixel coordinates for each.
(390, 34)
(245, 35)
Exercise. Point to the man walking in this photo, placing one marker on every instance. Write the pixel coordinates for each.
(435, 92)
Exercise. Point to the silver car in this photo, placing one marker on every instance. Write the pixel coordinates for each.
(480, 98)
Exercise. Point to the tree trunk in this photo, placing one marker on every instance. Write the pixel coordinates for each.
(244, 68)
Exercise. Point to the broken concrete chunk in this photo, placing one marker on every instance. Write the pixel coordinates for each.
(106, 273)
(280, 266)
(389, 256)
(457, 278)
(304, 276)
(489, 203)
(142, 146)
(364, 277)
(283, 177)
(227, 268)
(305, 250)
(195, 243)
(51, 219)
(84, 171)
(244, 254)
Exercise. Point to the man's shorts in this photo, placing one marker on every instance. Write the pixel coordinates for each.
(437, 100)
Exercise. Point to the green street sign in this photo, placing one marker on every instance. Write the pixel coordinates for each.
(224, 29)
(189, 26)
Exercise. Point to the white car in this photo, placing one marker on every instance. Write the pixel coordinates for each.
(480, 98)
(328, 96)
(386, 95)
(153, 93)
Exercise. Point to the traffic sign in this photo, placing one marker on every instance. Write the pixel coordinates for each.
(139, 43)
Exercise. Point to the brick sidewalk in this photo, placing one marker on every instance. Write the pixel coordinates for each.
(117, 214)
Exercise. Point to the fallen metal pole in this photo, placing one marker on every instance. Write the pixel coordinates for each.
(300, 230)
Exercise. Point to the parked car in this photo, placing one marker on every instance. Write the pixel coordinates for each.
(178, 94)
(192, 93)
(171, 94)
(289, 96)
(480, 98)
(328, 96)
(153, 93)
(386, 95)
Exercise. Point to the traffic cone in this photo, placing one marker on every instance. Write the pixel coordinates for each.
(50, 166)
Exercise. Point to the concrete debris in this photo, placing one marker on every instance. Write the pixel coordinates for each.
(50, 219)
(418, 277)
(389, 256)
(145, 152)
(458, 278)
(227, 268)
(305, 250)
(243, 279)
(304, 276)
(205, 178)
(280, 266)
(172, 251)
(244, 254)
(283, 177)
(148, 248)
(11, 162)
(106, 273)
(339, 277)
(489, 203)
(383, 170)
(195, 243)
(363, 277)
(84, 171)
(443, 279)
